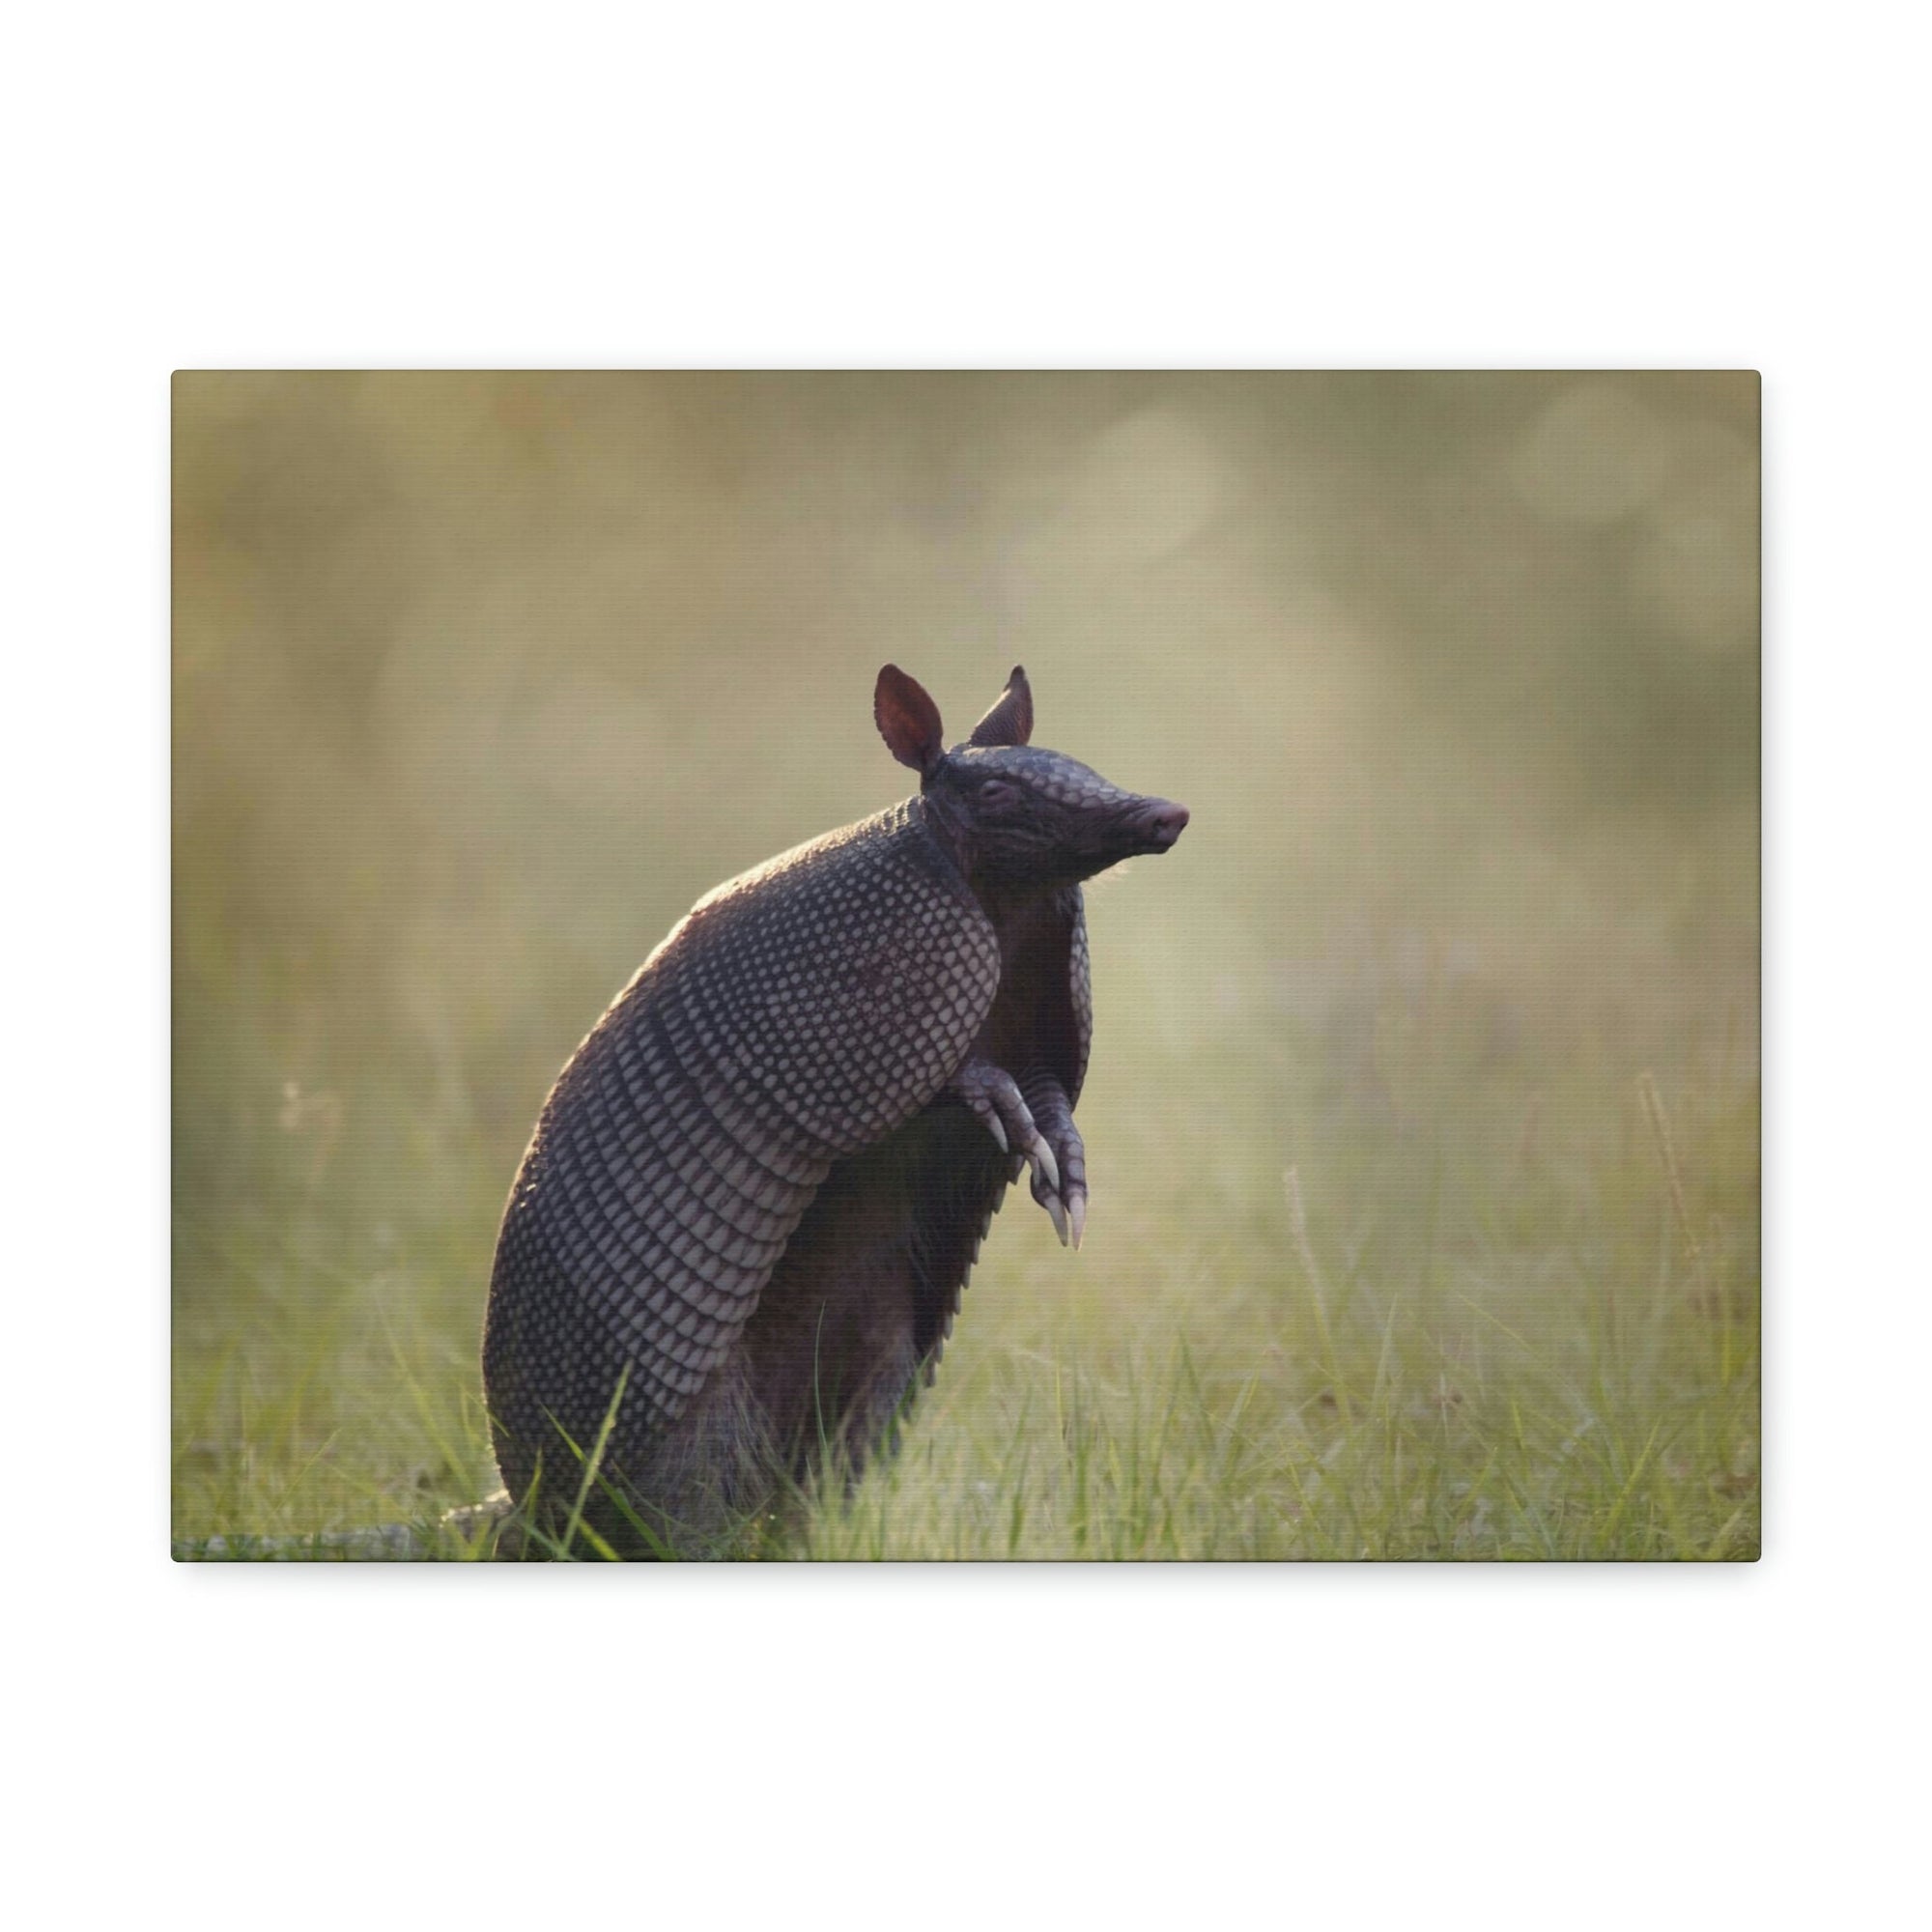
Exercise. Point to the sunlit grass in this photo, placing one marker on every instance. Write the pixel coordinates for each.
(1522, 1404)
(1549, 1357)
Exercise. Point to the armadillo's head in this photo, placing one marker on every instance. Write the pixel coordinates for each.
(1018, 816)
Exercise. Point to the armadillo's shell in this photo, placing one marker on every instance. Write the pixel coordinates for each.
(800, 1013)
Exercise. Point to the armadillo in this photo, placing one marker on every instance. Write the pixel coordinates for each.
(737, 1241)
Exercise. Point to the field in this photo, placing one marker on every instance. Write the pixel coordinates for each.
(1423, 1122)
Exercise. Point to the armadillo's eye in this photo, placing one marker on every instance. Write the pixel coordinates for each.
(997, 795)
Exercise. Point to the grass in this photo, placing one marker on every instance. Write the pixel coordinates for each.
(1397, 1351)
(1507, 1405)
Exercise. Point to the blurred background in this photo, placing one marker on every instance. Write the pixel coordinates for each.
(480, 680)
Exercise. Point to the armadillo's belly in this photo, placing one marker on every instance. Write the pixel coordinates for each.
(866, 1292)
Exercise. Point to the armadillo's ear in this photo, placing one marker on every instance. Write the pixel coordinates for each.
(907, 719)
(1010, 720)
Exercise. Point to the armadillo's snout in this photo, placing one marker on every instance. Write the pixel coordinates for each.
(1162, 823)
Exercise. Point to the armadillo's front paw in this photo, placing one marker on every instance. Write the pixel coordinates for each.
(1066, 1203)
(995, 1098)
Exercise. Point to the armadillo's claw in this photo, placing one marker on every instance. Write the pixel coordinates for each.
(1057, 1214)
(1056, 1155)
(995, 1103)
(1063, 1204)
(1043, 1161)
(1068, 1168)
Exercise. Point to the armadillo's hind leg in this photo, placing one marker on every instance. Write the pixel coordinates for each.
(1065, 1199)
(994, 1096)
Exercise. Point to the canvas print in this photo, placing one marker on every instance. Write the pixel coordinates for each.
(986, 966)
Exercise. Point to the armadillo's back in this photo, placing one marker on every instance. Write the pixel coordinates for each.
(800, 1013)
